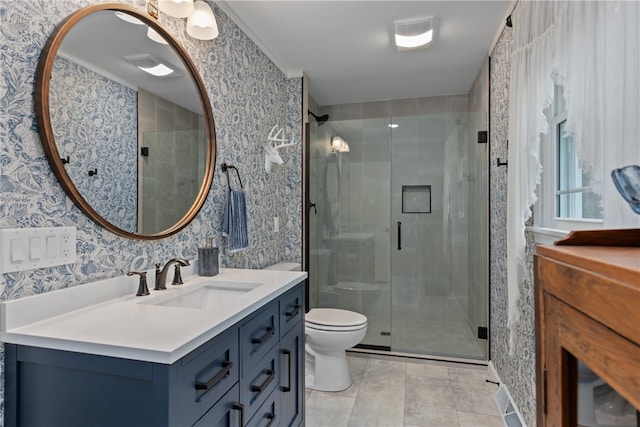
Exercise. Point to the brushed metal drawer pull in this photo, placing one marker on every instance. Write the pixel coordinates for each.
(227, 365)
(271, 417)
(261, 387)
(239, 407)
(293, 312)
(270, 332)
(288, 354)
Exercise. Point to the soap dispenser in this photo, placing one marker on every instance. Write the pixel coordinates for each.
(208, 259)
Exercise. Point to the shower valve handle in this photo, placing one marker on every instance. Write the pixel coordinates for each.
(399, 236)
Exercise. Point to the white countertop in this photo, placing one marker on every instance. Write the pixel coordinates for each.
(106, 318)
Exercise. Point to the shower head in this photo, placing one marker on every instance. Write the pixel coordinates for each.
(320, 119)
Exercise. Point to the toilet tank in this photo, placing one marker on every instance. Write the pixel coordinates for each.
(284, 266)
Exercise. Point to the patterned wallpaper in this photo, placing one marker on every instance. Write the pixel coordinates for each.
(249, 95)
(96, 136)
(516, 370)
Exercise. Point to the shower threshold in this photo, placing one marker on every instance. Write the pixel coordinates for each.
(379, 350)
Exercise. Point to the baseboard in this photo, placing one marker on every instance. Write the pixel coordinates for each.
(509, 412)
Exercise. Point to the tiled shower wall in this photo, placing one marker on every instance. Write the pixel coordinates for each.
(249, 95)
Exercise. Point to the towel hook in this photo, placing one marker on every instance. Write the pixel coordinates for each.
(225, 168)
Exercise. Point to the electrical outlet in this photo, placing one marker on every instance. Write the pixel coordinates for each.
(65, 244)
(276, 224)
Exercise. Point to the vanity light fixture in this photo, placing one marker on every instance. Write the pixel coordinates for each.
(176, 8)
(413, 34)
(153, 35)
(339, 144)
(202, 23)
(128, 18)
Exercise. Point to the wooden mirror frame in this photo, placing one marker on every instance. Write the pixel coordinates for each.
(43, 77)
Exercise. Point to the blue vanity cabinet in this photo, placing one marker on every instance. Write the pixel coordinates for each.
(292, 358)
(251, 375)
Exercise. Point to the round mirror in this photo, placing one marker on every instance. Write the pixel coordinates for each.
(125, 121)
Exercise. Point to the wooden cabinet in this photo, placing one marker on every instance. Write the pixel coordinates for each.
(251, 375)
(587, 308)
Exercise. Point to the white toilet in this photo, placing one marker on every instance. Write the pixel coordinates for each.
(329, 332)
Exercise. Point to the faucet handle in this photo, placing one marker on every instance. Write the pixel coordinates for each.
(158, 286)
(177, 277)
(142, 286)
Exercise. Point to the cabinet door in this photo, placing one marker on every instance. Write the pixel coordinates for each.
(292, 376)
(226, 413)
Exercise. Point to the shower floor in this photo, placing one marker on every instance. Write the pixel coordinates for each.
(436, 326)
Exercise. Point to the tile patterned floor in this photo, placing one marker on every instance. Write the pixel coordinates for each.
(389, 392)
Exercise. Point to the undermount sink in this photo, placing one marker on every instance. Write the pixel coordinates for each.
(205, 296)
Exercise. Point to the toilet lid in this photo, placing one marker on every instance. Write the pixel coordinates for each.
(334, 317)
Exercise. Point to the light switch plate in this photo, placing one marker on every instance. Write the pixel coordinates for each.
(24, 249)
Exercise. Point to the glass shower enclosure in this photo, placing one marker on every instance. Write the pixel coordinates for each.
(398, 229)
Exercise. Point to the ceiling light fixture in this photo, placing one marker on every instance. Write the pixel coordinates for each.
(152, 65)
(159, 70)
(412, 34)
(393, 125)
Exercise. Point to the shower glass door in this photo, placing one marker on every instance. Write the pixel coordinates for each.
(429, 251)
(392, 230)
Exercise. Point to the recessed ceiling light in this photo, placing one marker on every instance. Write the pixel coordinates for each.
(150, 64)
(159, 70)
(393, 125)
(414, 33)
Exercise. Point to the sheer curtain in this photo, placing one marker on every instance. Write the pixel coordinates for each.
(592, 48)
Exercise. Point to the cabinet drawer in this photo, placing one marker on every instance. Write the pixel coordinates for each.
(291, 308)
(258, 335)
(226, 413)
(206, 374)
(268, 415)
(259, 381)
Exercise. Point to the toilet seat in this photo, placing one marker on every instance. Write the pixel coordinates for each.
(333, 319)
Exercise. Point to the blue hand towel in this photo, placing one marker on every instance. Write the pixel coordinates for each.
(234, 223)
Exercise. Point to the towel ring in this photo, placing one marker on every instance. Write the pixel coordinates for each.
(225, 168)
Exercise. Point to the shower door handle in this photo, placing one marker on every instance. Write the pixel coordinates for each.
(399, 236)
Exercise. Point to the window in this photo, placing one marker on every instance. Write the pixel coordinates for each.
(574, 196)
(566, 200)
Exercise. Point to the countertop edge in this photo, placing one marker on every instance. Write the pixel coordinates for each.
(145, 354)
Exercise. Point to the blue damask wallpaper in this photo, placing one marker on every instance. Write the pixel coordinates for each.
(517, 369)
(249, 95)
(95, 136)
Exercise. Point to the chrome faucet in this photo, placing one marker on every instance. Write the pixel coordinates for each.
(161, 275)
